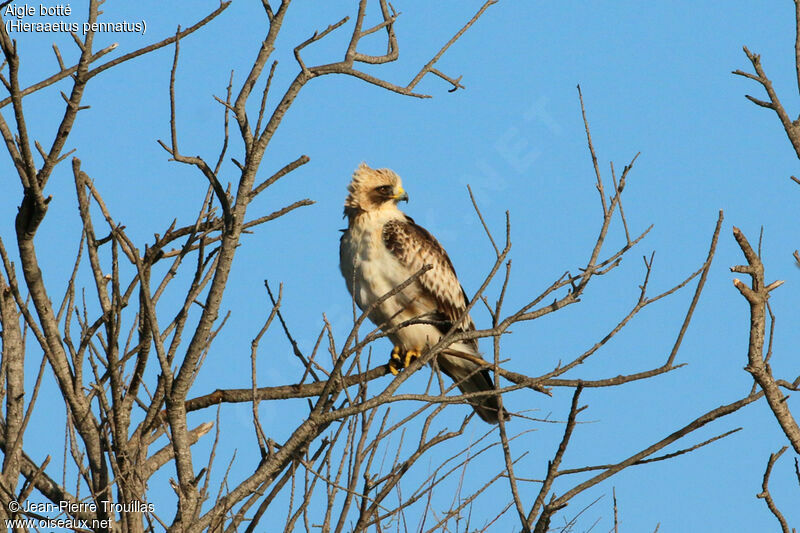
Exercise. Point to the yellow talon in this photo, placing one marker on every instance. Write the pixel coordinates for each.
(410, 356)
(400, 359)
(395, 361)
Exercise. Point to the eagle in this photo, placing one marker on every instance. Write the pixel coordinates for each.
(381, 248)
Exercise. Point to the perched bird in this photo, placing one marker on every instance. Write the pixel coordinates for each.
(381, 248)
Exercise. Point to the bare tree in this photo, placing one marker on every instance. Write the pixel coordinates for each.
(126, 371)
(757, 292)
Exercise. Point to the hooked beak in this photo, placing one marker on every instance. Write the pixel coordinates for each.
(401, 195)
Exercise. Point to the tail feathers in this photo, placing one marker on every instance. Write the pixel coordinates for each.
(465, 374)
(487, 407)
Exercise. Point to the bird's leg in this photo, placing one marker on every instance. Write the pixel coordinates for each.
(400, 359)
(396, 361)
(411, 355)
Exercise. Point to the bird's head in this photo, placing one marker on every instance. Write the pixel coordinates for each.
(372, 189)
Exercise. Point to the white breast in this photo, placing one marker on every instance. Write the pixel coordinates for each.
(368, 267)
(370, 271)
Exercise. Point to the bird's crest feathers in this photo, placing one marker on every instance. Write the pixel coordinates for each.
(362, 187)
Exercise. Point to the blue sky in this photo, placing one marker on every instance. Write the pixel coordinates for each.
(656, 79)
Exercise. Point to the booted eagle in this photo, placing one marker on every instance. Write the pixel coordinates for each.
(383, 247)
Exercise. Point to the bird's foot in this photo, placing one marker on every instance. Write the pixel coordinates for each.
(395, 361)
(399, 360)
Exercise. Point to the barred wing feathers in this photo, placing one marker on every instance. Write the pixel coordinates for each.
(415, 247)
(444, 299)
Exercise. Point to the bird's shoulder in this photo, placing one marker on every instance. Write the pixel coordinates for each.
(414, 247)
(410, 243)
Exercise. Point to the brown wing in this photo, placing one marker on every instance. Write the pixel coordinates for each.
(414, 247)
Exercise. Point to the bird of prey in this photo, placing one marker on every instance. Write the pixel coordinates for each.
(381, 248)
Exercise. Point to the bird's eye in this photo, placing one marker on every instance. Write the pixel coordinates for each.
(385, 190)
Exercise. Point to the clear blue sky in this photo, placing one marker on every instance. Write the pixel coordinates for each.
(656, 79)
